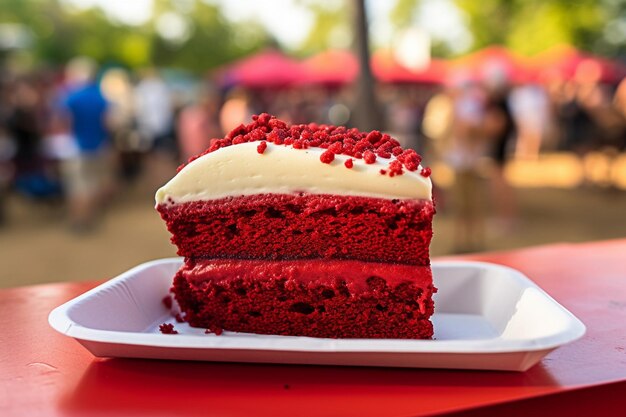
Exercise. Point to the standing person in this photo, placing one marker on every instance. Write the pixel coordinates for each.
(7, 152)
(197, 124)
(465, 153)
(25, 126)
(154, 111)
(8, 147)
(87, 173)
(118, 91)
(500, 130)
(577, 126)
(236, 110)
(619, 103)
(404, 120)
(530, 107)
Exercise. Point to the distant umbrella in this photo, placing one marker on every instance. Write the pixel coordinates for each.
(387, 69)
(266, 69)
(330, 68)
(566, 62)
(493, 61)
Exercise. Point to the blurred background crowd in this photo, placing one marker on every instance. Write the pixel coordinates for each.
(518, 107)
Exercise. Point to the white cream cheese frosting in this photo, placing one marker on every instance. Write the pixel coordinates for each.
(239, 170)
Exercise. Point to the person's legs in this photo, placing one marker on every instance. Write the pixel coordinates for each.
(503, 197)
(83, 179)
(469, 217)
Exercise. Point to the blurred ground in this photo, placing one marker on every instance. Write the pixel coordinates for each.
(37, 247)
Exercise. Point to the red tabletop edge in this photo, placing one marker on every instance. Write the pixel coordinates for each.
(45, 373)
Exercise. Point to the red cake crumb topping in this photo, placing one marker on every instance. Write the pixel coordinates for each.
(410, 159)
(425, 172)
(395, 168)
(217, 331)
(167, 328)
(179, 318)
(369, 157)
(337, 140)
(327, 157)
(167, 301)
(349, 164)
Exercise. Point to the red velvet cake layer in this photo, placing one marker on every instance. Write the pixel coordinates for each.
(302, 226)
(338, 299)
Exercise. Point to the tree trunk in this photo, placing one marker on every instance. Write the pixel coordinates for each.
(366, 111)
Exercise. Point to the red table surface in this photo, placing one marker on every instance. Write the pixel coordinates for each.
(45, 373)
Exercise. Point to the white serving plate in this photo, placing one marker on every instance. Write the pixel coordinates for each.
(486, 317)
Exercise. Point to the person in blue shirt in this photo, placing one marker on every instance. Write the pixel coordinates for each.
(87, 172)
(87, 108)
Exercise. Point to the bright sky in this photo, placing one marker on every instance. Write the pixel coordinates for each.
(284, 19)
(290, 22)
(134, 12)
(441, 19)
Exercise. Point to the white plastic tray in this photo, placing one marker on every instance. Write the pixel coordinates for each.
(486, 317)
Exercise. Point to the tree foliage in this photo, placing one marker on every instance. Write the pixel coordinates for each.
(329, 23)
(531, 26)
(402, 13)
(61, 32)
(213, 40)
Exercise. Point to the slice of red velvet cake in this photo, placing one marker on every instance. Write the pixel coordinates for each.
(306, 230)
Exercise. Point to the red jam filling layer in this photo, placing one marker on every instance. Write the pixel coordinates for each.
(357, 275)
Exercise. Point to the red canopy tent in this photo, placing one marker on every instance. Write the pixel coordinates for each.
(269, 68)
(387, 69)
(272, 69)
(567, 62)
(330, 68)
(493, 61)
